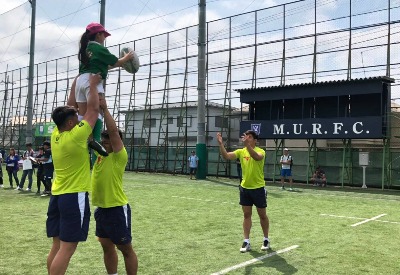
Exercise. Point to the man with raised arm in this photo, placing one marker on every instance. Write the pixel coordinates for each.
(68, 214)
(113, 213)
(252, 187)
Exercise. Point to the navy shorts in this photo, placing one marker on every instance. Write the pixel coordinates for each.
(114, 223)
(286, 172)
(192, 170)
(250, 197)
(68, 217)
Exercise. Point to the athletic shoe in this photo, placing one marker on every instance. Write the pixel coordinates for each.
(28, 189)
(245, 247)
(265, 245)
(97, 147)
(1, 186)
(45, 194)
(19, 189)
(290, 189)
(283, 187)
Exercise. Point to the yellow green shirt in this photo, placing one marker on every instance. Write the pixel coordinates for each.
(107, 180)
(252, 170)
(71, 159)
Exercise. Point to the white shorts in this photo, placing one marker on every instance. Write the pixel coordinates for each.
(83, 86)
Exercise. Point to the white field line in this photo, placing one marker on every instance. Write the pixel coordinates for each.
(368, 220)
(356, 218)
(195, 199)
(229, 269)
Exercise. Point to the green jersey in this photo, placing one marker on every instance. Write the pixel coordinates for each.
(99, 60)
(252, 170)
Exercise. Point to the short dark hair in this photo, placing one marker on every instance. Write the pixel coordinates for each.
(41, 148)
(28, 144)
(47, 143)
(61, 114)
(251, 132)
(105, 134)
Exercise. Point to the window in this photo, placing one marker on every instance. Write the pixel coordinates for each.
(139, 141)
(170, 120)
(149, 122)
(221, 122)
(182, 121)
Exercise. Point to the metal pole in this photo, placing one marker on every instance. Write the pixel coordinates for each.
(30, 76)
(201, 91)
(388, 46)
(103, 12)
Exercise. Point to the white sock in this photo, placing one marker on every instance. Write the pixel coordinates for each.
(247, 240)
(266, 238)
(113, 274)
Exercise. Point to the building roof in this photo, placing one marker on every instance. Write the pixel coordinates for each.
(329, 82)
(179, 105)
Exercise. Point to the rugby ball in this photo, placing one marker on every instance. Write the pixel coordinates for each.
(132, 65)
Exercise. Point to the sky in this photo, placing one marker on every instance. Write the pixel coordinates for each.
(60, 23)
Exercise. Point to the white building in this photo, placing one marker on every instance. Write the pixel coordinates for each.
(178, 123)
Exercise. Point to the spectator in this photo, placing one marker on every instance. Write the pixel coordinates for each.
(12, 167)
(193, 161)
(286, 171)
(27, 168)
(319, 177)
(39, 172)
(48, 168)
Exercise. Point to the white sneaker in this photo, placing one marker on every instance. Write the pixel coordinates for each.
(27, 189)
(265, 245)
(245, 247)
(1, 186)
(19, 188)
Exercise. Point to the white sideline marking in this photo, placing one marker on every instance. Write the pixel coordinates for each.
(368, 220)
(356, 218)
(226, 270)
(346, 217)
(195, 199)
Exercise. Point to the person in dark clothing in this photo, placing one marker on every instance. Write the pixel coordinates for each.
(12, 167)
(39, 172)
(48, 168)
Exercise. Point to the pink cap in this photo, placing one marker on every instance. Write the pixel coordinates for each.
(94, 28)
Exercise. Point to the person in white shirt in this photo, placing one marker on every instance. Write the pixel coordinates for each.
(193, 161)
(27, 168)
(286, 171)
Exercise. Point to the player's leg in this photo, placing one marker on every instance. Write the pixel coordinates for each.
(53, 252)
(110, 255)
(282, 179)
(61, 260)
(130, 258)
(259, 197)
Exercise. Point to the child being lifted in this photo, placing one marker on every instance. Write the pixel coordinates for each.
(94, 58)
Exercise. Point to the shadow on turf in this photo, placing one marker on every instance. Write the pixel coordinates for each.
(276, 261)
(236, 185)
